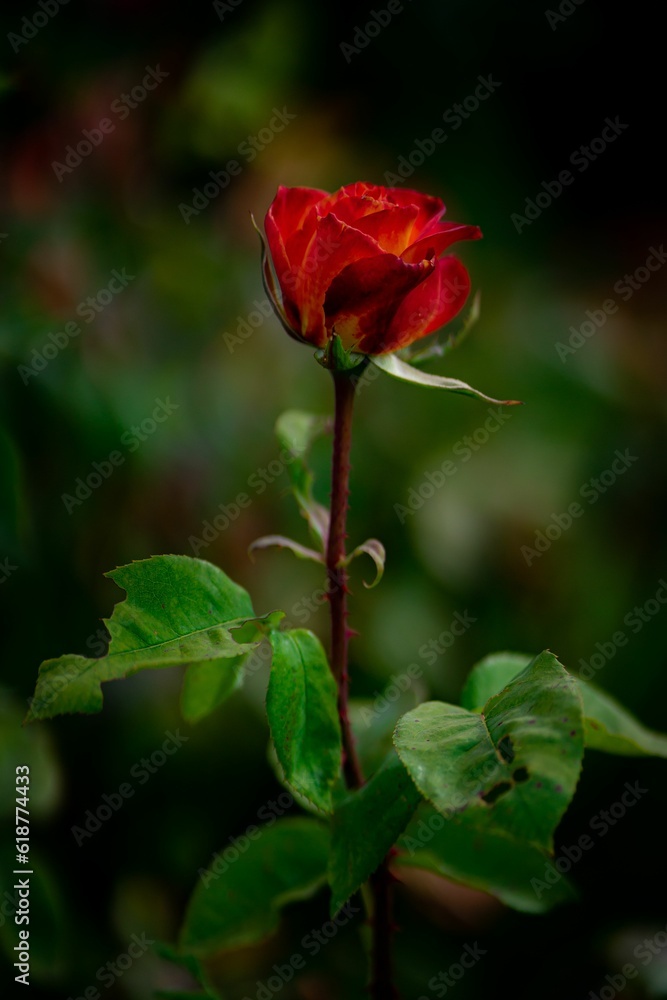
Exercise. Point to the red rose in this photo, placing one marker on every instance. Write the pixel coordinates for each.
(364, 263)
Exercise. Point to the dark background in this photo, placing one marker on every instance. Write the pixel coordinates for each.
(174, 333)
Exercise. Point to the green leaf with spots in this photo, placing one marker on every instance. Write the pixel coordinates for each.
(520, 875)
(365, 826)
(512, 768)
(178, 610)
(240, 903)
(301, 704)
(607, 725)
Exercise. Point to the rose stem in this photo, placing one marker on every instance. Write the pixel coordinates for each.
(380, 883)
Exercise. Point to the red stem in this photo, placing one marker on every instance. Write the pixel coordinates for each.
(381, 986)
(336, 572)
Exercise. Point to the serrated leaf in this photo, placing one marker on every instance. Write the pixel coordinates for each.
(178, 610)
(392, 365)
(375, 549)
(365, 826)
(608, 726)
(483, 859)
(286, 862)
(514, 767)
(296, 431)
(301, 704)
(490, 676)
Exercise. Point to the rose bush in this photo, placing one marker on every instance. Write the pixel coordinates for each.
(364, 263)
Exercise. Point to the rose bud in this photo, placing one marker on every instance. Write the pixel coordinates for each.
(364, 264)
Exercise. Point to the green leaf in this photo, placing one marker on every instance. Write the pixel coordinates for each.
(296, 431)
(514, 767)
(178, 610)
(490, 676)
(483, 859)
(365, 826)
(285, 862)
(301, 704)
(611, 728)
(375, 549)
(607, 725)
(392, 365)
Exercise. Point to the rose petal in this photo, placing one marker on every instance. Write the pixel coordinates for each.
(435, 243)
(431, 305)
(430, 209)
(375, 198)
(360, 189)
(362, 300)
(391, 228)
(333, 247)
(290, 206)
(286, 216)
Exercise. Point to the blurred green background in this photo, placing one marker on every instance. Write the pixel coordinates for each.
(178, 332)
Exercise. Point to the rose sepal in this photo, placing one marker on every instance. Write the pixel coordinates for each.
(392, 365)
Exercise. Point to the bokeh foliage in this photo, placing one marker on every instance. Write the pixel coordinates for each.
(179, 332)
